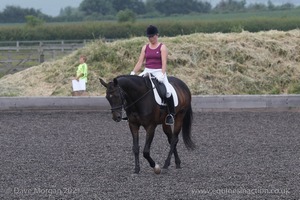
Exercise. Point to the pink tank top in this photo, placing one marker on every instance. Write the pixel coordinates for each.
(153, 57)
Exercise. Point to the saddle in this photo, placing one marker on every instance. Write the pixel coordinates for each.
(159, 90)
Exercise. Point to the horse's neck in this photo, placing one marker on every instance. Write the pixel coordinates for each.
(137, 97)
(134, 87)
(128, 84)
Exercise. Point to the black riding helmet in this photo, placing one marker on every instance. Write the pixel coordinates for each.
(151, 31)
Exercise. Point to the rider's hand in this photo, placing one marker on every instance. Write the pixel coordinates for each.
(132, 73)
(160, 77)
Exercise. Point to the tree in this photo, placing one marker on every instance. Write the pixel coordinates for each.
(103, 7)
(287, 6)
(126, 16)
(169, 7)
(71, 14)
(136, 6)
(230, 6)
(33, 21)
(271, 6)
(17, 14)
(257, 7)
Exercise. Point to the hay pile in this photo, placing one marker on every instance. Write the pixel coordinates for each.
(233, 63)
(239, 63)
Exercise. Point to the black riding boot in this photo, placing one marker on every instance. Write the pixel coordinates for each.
(171, 111)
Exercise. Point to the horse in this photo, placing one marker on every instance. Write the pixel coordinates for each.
(135, 95)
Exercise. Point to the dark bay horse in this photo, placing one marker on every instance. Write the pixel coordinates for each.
(134, 94)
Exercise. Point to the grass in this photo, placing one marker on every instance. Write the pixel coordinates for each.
(232, 63)
(293, 13)
(218, 22)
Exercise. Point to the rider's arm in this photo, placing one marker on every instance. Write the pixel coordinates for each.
(141, 59)
(164, 57)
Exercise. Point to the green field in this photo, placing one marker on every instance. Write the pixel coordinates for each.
(294, 13)
(169, 26)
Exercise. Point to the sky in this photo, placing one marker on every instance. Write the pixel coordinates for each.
(48, 7)
(52, 7)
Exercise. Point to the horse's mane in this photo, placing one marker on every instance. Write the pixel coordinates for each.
(130, 77)
(145, 80)
(136, 79)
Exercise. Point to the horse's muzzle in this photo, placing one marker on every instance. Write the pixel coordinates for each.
(117, 117)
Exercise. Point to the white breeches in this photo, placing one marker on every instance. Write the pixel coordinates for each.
(158, 72)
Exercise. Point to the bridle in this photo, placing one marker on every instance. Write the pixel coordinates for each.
(122, 100)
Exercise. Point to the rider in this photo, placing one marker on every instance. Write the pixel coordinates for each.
(155, 54)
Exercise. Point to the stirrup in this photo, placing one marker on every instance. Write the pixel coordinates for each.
(169, 119)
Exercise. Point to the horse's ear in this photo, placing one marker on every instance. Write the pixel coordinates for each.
(103, 82)
(115, 82)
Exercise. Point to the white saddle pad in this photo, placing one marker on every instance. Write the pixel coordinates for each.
(157, 97)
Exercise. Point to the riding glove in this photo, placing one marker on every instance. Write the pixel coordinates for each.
(132, 73)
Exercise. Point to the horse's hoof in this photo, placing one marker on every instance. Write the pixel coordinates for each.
(165, 166)
(137, 170)
(134, 174)
(157, 169)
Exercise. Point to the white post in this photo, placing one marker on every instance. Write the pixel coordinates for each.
(18, 46)
(62, 46)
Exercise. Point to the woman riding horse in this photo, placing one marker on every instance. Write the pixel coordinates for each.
(155, 55)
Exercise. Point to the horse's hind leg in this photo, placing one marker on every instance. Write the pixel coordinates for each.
(173, 140)
(177, 160)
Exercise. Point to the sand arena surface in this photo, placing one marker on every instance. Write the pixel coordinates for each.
(86, 155)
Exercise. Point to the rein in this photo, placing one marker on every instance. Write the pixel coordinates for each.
(137, 99)
(122, 98)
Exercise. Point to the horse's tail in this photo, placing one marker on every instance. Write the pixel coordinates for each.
(187, 129)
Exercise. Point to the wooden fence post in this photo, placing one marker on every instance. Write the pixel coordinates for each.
(62, 46)
(18, 46)
(42, 57)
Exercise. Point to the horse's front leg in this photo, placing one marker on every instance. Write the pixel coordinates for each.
(135, 148)
(146, 153)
